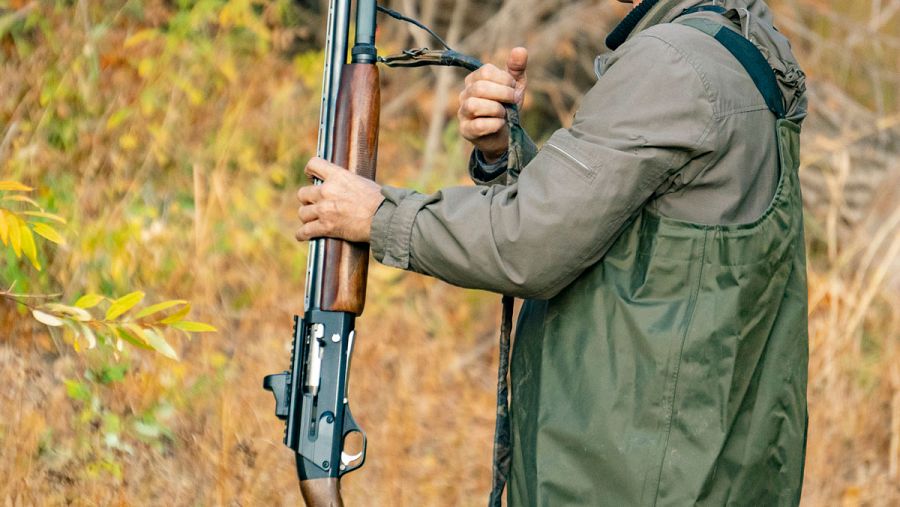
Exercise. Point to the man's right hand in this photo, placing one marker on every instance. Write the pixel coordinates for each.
(482, 118)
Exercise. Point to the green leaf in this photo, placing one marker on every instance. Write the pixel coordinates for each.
(123, 304)
(194, 327)
(28, 246)
(15, 186)
(165, 305)
(112, 373)
(46, 318)
(128, 336)
(159, 344)
(177, 316)
(44, 214)
(78, 390)
(89, 300)
(48, 233)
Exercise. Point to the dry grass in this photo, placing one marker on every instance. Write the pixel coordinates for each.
(175, 157)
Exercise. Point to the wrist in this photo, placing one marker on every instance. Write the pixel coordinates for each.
(492, 157)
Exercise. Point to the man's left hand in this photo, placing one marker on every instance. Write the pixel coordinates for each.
(341, 207)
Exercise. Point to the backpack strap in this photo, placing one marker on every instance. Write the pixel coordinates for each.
(718, 9)
(746, 53)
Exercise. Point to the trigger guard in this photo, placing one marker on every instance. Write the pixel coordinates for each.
(350, 426)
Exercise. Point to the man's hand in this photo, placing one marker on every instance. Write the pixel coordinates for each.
(482, 118)
(341, 207)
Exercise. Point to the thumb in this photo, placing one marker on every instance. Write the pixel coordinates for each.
(515, 65)
(320, 168)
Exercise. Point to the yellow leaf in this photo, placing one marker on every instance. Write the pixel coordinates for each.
(22, 198)
(15, 186)
(48, 233)
(128, 142)
(73, 311)
(46, 318)
(4, 228)
(165, 305)
(43, 214)
(228, 69)
(194, 327)
(140, 36)
(117, 118)
(15, 234)
(123, 304)
(177, 316)
(89, 300)
(28, 246)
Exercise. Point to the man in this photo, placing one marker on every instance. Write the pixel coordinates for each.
(661, 352)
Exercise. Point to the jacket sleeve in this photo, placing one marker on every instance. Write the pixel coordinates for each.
(644, 119)
(484, 173)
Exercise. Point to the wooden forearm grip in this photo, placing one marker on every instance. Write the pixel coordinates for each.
(356, 149)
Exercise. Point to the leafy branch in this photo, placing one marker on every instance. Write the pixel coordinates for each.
(18, 227)
(82, 321)
(144, 329)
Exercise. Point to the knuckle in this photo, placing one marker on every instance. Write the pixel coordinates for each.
(470, 106)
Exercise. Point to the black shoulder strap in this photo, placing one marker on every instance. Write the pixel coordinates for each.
(705, 8)
(745, 52)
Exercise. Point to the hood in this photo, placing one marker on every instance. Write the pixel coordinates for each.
(753, 18)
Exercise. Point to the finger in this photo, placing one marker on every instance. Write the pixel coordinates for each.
(475, 107)
(495, 74)
(309, 194)
(493, 91)
(516, 63)
(481, 127)
(490, 72)
(320, 168)
(308, 214)
(311, 230)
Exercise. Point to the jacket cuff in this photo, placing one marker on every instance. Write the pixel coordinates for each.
(483, 173)
(392, 226)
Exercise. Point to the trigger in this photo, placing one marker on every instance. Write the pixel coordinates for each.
(346, 459)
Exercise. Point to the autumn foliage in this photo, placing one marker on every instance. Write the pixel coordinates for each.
(149, 153)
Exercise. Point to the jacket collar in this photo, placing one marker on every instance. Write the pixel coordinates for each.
(647, 14)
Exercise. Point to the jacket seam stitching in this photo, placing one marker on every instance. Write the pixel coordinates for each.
(645, 186)
(747, 109)
(707, 86)
(695, 295)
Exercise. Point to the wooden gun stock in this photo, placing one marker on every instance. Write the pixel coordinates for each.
(322, 493)
(355, 148)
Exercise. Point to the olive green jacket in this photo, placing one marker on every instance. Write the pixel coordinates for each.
(673, 124)
(661, 356)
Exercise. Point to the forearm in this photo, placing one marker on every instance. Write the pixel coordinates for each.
(529, 239)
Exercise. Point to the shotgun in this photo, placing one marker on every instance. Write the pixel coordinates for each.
(311, 397)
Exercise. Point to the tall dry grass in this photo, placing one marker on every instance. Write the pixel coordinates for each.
(172, 138)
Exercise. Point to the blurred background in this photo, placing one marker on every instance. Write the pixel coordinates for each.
(170, 137)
